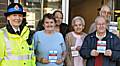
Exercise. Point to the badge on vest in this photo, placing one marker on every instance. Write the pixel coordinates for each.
(101, 46)
(52, 56)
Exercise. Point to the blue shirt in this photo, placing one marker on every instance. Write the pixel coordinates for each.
(45, 43)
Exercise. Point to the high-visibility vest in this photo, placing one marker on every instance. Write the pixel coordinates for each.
(14, 49)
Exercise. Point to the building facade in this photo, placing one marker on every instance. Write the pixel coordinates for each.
(35, 9)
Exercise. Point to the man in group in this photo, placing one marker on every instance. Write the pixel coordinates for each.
(105, 11)
(16, 47)
(101, 48)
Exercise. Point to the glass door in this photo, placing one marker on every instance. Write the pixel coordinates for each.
(35, 10)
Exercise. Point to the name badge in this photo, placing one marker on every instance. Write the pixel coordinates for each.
(74, 52)
(101, 46)
(52, 56)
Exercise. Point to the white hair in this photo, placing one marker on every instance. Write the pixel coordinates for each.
(78, 18)
(104, 7)
(99, 17)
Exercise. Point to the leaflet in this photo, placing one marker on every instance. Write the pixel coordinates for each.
(101, 46)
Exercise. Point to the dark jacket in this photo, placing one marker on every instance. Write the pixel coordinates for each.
(90, 41)
(64, 29)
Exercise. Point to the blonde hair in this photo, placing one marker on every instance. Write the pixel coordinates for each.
(78, 18)
(104, 7)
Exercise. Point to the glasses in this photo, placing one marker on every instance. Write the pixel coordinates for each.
(106, 12)
(101, 24)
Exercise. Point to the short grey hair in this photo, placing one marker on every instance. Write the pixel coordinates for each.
(78, 18)
(98, 17)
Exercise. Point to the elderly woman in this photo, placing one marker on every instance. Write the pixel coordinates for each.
(74, 40)
(49, 45)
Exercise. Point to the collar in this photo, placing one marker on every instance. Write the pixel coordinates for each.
(100, 37)
(10, 29)
(108, 35)
(16, 29)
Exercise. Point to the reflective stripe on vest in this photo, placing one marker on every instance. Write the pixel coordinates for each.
(8, 49)
(13, 57)
(0, 59)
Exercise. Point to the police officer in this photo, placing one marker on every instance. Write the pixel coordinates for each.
(16, 45)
